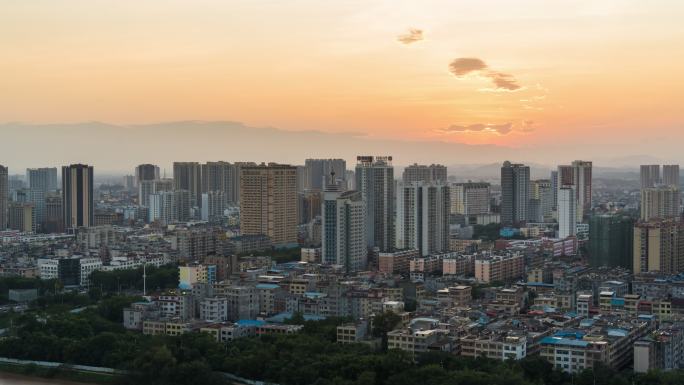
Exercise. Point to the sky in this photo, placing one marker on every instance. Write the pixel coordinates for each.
(600, 78)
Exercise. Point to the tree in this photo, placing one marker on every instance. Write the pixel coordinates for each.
(384, 323)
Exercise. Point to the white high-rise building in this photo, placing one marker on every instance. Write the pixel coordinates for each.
(423, 217)
(671, 175)
(567, 212)
(213, 205)
(162, 207)
(650, 175)
(375, 182)
(472, 198)
(661, 202)
(343, 233)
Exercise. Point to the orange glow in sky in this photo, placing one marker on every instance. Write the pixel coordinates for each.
(512, 73)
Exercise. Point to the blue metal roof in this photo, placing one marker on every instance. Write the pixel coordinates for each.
(563, 342)
(617, 332)
(267, 286)
(250, 322)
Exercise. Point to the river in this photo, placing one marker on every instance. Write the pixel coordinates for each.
(14, 379)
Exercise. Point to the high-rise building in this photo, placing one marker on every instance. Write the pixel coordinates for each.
(611, 240)
(162, 207)
(216, 176)
(582, 179)
(471, 198)
(318, 171)
(658, 246)
(578, 174)
(188, 176)
(21, 217)
(41, 182)
(554, 188)
(567, 212)
(423, 217)
(423, 173)
(309, 205)
(375, 182)
(54, 214)
(515, 193)
(660, 202)
(671, 175)
(268, 202)
(213, 206)
(146, 172)
(542, 197)
(77, 196)
(148, 187)
(4, 196)
(44, 178)
(184, 205)
(650, 175)
(343, 235)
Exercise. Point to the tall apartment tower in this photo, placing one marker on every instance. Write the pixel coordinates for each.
(77, 196)
(567, 212)
(423, 217)
(146, 172)
(554, 188)
(422, 173)
(54, 214)
(650, 175)
(375, 182)
(343, 235)
(188, 176)
(671, 175)
(41, 182)
(268, 202)
(541, 200)
(660, 202)
(216, 176)
(317, 172)
(578, 174)
(4, 196)
(658, 246)
(582, 179)
(515, 193)
(611, 240)
(471, 198)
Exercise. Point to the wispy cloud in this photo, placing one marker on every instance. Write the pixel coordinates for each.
(501, 129)
(525, 126)
(412, 36)
(464, 66)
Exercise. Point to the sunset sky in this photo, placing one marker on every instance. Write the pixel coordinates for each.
(512, 73)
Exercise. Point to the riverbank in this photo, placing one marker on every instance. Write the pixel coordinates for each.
(7, 378)
(36, 375)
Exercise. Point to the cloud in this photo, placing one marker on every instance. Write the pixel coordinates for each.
(413, 35)
(468, 65)
(523, 127)
(504, 81)
(501, 129)
(465, 65)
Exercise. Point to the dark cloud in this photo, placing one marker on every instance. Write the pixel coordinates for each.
(503, 81)
(501, 129)
(466, 65)
(413, 35)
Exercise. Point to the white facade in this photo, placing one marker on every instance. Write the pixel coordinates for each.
(567, 212)
(48, 268)
(214, 309)
(343, 234)
(88, 265)
(423, 218)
